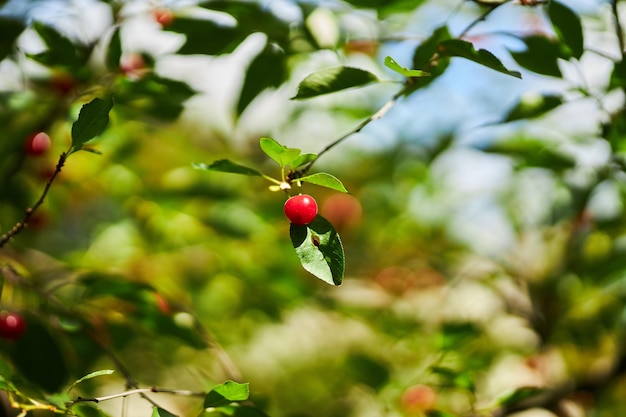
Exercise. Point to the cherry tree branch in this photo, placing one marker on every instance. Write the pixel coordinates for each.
(140, 391)
(408, 86)
(28, 213)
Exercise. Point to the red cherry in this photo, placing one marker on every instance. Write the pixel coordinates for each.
(418, 399)
(37, 144)
(164, 17)
(12, 325)
(301, 209)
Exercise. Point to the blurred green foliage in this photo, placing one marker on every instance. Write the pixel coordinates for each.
(489, 270)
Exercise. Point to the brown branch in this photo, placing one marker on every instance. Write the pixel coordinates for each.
(28, 213)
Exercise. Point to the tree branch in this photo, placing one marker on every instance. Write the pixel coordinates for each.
(140, 391)
(28, 213)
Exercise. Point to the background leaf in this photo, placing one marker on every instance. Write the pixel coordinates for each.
(114, 51)
(11, 29)
(319, 249)
(568, 28)
(225, 165)
(266, 70)
(533, 105)
(92, 121)
(541, 56)
(330, 80)
(160, 412)
(464, 49)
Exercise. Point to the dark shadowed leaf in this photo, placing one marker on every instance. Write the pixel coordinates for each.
(541, 56)
(92, 121)
(531, 152)
(618, 76)
(266, 70)
(330, 80)
(319, 249)
(519, 395)
(425, 55)
(325, 180)
(568, 28)
(533, 105)
(88, 410)
(226, 393)
(225, 165)
(61, 51)
(160, 412)
(46, 368)
(114, 52)
(464, 49)
(205, 36)
(11, 29)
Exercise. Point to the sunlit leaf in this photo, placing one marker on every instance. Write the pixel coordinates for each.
(319, 249)
(330, 80)
(568, 27)
(90, 376)
(393, 65)
(225, 165)
(303, 160)
(226, 393)
(281, 154)
(92, 121)
(325, 180)
(464, 49)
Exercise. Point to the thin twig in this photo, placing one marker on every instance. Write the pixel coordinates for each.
(140, 391)
(28, 213)
(619, 30)
(408, 86)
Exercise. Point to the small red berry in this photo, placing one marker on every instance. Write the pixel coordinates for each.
(37, 144)
(301, 209)
(164, 17)
(418, 399)
(12, 325)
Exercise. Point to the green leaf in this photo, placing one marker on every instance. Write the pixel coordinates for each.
(114, 53)
(61, 51)
(39, 358)
(330, 80)
(423, 58)
(532, 152)
(303, 159)
(159, 412)
(541, 56)
(618, 75)
(568, 28)
(266, 70)
(205, 37)
(92, 121)
(319, 249)
(439, 413)
(533, 105)
(226, 393)
(394, 66)
(11, 30)
(224, 165)
(325, 180)
(519, 395)
(464, 49)
(235, 410)
(91, 375)
(88, 410)
(279, 153)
